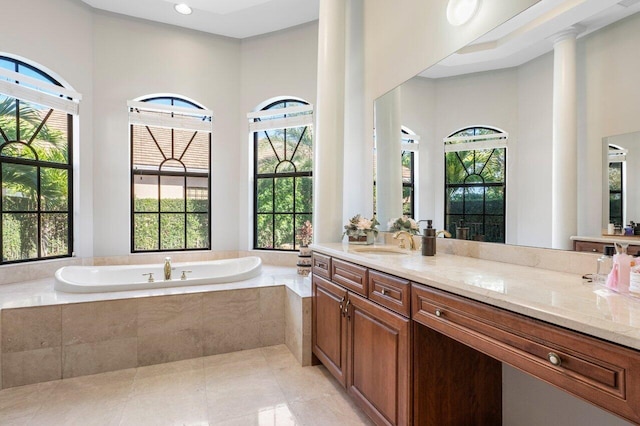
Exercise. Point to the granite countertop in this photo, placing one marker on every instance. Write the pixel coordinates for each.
(563, 299)
(610, 239)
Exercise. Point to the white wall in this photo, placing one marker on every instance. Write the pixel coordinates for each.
(133, 58)
(59, 38)
(283, 63)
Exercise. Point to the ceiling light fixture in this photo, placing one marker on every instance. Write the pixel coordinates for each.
(182, 9)
(459, 12)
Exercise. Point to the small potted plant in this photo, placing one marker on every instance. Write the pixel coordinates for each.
(305, 235)
(404, 223)
(361, 230)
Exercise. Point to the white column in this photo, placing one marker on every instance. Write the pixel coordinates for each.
(564, 219)
(329, 128)
(358, 148)
(389, 166)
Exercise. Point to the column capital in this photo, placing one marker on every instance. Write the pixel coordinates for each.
(568, 33)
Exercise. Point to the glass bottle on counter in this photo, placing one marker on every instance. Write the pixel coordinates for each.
(605, 264)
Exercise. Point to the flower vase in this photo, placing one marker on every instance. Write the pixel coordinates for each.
(304, 261)
(366, 239)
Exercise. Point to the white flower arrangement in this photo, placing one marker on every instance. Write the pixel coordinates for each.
(404, 223)
(359, 226)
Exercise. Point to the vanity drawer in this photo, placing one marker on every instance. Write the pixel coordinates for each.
(321, 265)
(351, 276)
(391, 292)
(588, 246)
(603, 373)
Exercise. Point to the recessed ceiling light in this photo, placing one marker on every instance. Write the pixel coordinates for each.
(459, 12)
(183, 9)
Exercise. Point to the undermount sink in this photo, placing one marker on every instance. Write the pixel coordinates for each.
(378, 250)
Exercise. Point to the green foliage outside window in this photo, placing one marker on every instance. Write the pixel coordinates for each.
(283, 182)
(475, 189)
(34, 152)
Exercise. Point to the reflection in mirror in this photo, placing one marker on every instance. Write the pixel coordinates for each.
(621, 179)
(505, 80)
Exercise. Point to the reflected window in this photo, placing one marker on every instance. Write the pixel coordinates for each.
(408, 176)
(283, 164)
(475, 183)
(617, 157)
(35, 172)
(170, 176)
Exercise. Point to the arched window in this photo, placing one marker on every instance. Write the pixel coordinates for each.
(36, 167)
(170, 174)
(475, 182)
(283, 164)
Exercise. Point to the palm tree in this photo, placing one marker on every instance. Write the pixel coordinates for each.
(20, 180)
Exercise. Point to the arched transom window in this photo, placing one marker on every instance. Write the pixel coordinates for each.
(475, 183)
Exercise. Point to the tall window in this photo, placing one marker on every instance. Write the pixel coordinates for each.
(617, 157)
(283, 155)
(475, 184)
(170, 175)
(36, 122)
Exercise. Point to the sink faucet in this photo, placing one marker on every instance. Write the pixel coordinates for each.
(446, 233)
(409, 237)
(167, 268)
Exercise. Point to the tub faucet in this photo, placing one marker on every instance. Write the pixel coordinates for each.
(167, 268)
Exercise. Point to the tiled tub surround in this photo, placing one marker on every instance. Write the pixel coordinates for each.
(48, 335)
(560, 298)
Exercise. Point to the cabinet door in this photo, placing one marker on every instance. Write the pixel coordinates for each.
(379, 361)
(330, 326)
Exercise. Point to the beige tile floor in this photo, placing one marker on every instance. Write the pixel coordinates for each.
(264, 387)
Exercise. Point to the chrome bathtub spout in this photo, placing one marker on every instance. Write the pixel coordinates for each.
(167, 268)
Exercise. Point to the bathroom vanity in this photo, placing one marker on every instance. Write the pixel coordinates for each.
(419, 340)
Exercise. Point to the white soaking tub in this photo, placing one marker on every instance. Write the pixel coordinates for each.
(98, 279)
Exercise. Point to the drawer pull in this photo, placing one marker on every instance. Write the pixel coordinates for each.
(438, 313)
(554, 359)
(322, 265)
(342, 306)
(383, 291)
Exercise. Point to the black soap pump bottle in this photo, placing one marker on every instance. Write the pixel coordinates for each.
(429, 240)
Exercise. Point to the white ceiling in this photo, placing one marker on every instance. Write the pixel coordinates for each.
(231, 18)
(531, 34)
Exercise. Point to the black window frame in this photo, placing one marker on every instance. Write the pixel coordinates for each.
(410, 185)
(273, 176)
(160, 174)
(39, 165)
(479, 228)
(616, 220)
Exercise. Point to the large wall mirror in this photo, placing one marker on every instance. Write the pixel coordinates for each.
(484, 118)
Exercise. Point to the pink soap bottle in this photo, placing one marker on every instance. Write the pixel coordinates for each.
(618, 279)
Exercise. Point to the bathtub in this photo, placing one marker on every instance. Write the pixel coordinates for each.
(98, 279)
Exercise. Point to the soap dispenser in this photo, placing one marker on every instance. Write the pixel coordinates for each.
(429, 240)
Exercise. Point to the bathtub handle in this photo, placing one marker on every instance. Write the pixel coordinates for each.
(150, 274)
(184, 275)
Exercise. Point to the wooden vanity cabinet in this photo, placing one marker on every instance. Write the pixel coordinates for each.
(379, 361)
(329, 326)
(599, 372)
(364, 345)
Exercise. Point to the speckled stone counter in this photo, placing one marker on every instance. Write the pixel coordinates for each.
(560, 298)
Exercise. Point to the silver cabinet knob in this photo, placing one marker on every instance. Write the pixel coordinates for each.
(438, 313)
(554, 359)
